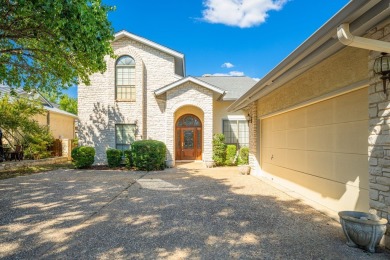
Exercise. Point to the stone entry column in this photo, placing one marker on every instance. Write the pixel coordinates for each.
(379, 135)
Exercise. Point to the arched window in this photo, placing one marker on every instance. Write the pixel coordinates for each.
(125, 78)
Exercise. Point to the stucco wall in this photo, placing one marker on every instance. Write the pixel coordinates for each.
(342, 69)
(220, 113)
(60, 125)
(99, 111)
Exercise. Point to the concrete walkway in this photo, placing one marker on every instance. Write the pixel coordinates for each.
(180, 213)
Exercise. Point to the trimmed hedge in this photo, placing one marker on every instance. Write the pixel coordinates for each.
(148, 155)
(114, 157)
(128, 158)
(231, 151)
(219, 149)
(244, 155)
(83, 156)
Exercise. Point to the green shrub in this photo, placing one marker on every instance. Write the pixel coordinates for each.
(244, 156)
(148, 155)
(128, 158)
(219, 149)
(231, 151)
(83, 156)
(114, 157)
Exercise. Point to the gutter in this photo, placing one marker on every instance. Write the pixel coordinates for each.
(346, 38)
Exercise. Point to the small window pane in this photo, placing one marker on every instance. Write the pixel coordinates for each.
(236, 132)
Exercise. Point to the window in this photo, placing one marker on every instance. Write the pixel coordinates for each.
(125, 78)
(124, 136)
(236, 132)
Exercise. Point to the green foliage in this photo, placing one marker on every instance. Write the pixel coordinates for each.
(36, 143)
(114, 157)
(244, 156)
(128, 158)
(52, 44)
(231, 151)
(148, 155)
(68, 104)
(83, 156)
(219, 149)
(19, 127)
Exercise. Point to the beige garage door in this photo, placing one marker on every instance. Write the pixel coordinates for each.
(320, 151)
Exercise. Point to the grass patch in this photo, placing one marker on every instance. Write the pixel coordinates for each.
(12, 173)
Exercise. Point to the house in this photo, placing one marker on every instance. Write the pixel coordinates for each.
(145, 94)
(321, 117)
(60, 122)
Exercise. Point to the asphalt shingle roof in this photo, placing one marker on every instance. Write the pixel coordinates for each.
(234, 86)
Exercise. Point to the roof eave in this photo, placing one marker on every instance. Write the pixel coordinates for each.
(325, 36)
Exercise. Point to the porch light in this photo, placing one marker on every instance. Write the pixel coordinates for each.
(382, 67)
(249, 118)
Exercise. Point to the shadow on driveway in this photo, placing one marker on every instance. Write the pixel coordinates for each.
(176, 213)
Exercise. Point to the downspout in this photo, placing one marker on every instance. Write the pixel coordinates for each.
(346, 38)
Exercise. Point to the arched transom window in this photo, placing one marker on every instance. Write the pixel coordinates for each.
(188, 121)
(125, 78)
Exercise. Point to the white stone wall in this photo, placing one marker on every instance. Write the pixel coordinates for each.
(194, 95)
(379, 135)
(99, 111)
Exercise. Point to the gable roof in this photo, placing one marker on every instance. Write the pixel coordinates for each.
(362, 15)
(204, 84)
(6, 90)
(179, 57)
(234, 86)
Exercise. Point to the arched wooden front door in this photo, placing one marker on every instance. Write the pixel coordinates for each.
(188, 138)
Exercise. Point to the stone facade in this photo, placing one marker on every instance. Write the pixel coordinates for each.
(99, 111)
(190, 94)
(154, 116)
(379, 135)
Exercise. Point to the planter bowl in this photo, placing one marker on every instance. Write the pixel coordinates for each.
(362, 229)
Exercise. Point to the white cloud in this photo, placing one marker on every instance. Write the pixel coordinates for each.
(241, 13)
(231, 73)
(227, 65)
(257, 79)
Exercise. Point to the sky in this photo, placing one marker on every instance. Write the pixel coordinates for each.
(224, 37)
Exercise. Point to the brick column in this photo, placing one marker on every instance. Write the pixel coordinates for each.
(379, 138)
(252, 111)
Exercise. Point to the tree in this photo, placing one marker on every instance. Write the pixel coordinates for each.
(68, 104)
(19, 127)
(53, 44)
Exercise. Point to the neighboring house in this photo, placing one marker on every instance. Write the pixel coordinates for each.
(144, 94)
(60, 122)
(321, 118)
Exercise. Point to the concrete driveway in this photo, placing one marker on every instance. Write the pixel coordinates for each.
(180, 213)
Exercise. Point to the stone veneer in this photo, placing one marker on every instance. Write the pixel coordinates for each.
(99, 111)
(193, 95)
(379, 135)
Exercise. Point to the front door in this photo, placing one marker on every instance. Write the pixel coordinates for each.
(188, 138)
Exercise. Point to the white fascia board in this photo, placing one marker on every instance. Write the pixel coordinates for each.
(162, 90)
(157, 46)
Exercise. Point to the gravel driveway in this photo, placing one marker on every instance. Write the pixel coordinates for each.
(180, 213)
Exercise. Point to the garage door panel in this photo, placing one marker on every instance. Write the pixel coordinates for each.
(351, 107)
(323, 155)
(279, 122)
(321, 114)
(296, 138)
(279, 139)
(296, 160)
(333, 195)
(321, 138)
(352, 137)
(296, 119)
